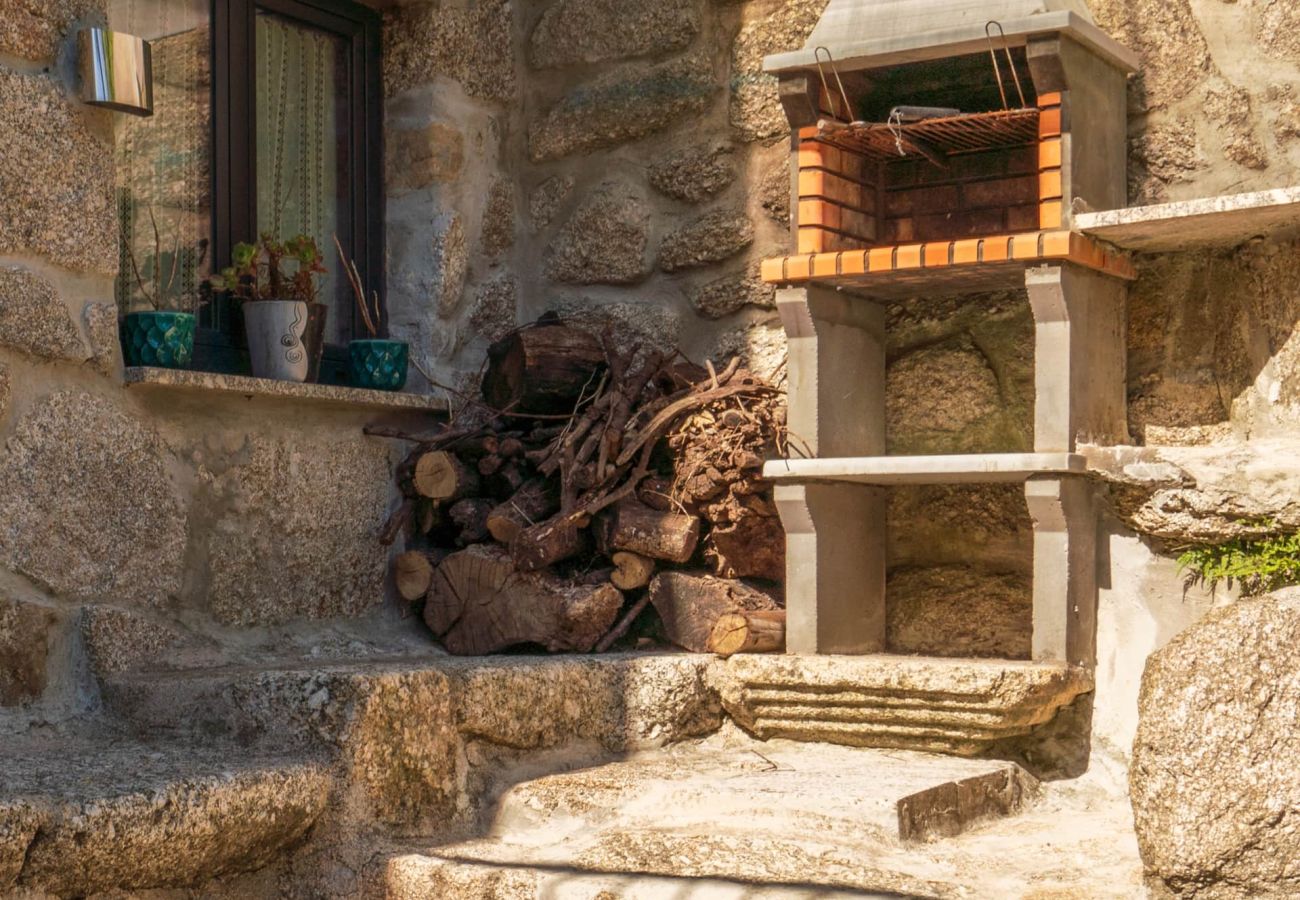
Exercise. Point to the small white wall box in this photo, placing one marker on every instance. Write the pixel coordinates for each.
(116, 71)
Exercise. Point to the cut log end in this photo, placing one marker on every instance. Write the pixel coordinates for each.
(441, 476)
(632, 571)
(757, 631)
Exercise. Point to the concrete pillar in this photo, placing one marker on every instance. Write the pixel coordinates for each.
(1080, 357)
(1065, 569)
(835, 534)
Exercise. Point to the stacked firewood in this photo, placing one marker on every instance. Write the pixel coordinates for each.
(597, 482)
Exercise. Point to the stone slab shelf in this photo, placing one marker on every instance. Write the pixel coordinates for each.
(970, 265)
(151, 379)
(889, 470)
(1223, 221)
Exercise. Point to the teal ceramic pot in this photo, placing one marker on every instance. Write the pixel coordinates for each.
(161, 339)
(378, 365)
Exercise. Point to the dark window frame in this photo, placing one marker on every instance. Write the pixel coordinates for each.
(219, 344)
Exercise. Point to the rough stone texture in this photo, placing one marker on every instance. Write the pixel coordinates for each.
(955, 525)
(959, 611)
(56, 178)
(589, 31)
(774, 191)
(88, 504)
(34, 318)
(26, 631)
(34, 29)
(1229, 107)
(938, 393)
(647, 324)
(724, 296)
(420, 157)
(761, 348)
(1161, 156)
(499, 218)
(605, 240)
(450, 261)
(19, 822)
(695, 175)
(1175, 55)
(470, 42)
(105, 341)
(547, 199)
(1277, 28)
(495, 308)
(770, 27)
(859, 700)
(623, 106)
(130, 817)
(6, 391)
(1213, 776)
(118, 639)
(295, 529)
(709, 239)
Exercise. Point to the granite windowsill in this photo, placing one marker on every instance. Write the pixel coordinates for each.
(144, 378)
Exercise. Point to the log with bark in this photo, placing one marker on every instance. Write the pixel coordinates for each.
(542, 369)
(535, 502)
(413, 572)
(631, 525)
(480, 602)
(691, 605)
(441, 475)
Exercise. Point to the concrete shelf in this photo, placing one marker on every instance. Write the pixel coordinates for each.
(887, 470)
(196, 383)
(1223, 221)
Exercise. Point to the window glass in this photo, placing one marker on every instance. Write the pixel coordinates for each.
(303, 128)
(164, 162)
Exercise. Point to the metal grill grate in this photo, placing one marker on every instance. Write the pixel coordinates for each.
(958, 134)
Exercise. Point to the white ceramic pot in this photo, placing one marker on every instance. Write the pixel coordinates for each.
(276, 331)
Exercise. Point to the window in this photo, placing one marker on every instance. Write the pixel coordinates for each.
(267, 118)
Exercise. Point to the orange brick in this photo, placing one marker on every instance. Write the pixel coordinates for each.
(880, 259)
(773, 270)
(825, 265)
(812, 240)
(1049, 185)
(808, 132)
(1056, 244)
(1025, 246)
(1049, 123)
(1086, 251)
(1049, 154)
(1050, 214)
(908, 257)
(798, 268)
(853, 262)
(818, 212)
(997, 249)
(1046, 100)
(965, 252)
(937, 254)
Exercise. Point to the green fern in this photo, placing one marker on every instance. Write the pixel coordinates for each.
(1255, 565)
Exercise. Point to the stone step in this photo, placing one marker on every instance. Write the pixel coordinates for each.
(727, 817)
(85, 815)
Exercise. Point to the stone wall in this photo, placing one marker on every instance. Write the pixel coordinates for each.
(128, 521)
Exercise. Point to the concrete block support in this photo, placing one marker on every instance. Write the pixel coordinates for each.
(1065, 576)
(1080, 357)
(835, 567)
(835, 534)
(837, 372)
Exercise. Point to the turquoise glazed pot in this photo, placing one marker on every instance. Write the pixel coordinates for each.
(378, 365)
(161, 339)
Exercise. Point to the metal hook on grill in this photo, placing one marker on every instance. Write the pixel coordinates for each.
(830, 98)
(997, 70)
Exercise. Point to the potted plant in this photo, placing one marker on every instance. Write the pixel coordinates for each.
(373, 362)
(275, 285)
(158, 327)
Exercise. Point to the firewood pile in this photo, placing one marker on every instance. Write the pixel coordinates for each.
(594, 483)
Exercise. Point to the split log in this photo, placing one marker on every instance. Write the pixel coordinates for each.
(634, 526)
(631, 570)
(755, 631)
(538, 546)
(541, 370)
(439, 475)
(470, 516)
(480, 603)
(534, 502)
(413, 572)
(691, 605)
